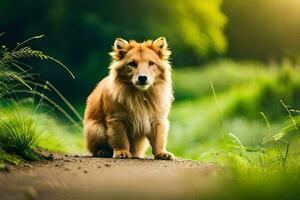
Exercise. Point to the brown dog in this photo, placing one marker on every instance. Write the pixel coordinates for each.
(130, 107)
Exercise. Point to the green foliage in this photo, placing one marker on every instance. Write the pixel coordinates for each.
(25, 127)
(223, 73)
(14, 74)
(265, 94)
(195, 125)
(18, 133)
(260, 151)
(8, 158)
(10, 80)
(53, 134)
(12, 58)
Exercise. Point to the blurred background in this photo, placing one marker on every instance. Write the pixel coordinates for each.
(248, 49)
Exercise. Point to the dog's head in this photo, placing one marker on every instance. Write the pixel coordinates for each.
(140, 64)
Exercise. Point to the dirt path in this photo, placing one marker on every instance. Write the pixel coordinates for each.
(79, 177)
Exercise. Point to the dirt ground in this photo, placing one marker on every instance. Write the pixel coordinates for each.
(84, 177)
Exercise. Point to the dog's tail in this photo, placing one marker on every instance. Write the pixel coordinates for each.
(95, 137)
(94, 129)
(93, 134)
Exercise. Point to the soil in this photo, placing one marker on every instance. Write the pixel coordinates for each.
(83, 177)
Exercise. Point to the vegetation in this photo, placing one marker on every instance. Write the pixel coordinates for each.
(18, 135)
(224, 74)
(251, 128)
(20, 121)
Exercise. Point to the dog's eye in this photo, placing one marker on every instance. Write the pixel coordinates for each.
(132, 64)
(151, 63)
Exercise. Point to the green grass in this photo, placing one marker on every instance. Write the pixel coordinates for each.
(18, 133)
(195, 124)
(251, 129)
(24, 130)
(24, 127)
(49, 131)
(250, 126)
(8, 158)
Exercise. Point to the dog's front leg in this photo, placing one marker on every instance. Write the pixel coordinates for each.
(158, 141)
(118, 140)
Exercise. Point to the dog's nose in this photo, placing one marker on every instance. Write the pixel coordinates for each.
(142, 79)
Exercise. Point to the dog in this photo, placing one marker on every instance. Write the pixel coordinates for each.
(129, 108)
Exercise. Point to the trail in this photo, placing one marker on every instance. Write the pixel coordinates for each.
(83, 177)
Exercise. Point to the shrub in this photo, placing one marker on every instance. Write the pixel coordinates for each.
(265, 94)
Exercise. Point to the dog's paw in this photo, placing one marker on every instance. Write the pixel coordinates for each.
(103, 153)
(164, 156)
(122, 154)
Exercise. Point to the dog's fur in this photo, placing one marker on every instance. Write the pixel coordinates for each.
(122, 115)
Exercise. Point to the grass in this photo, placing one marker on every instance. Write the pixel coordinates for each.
(24, 127)
(195, 124)
(18, 133)
(24, 130)
(250, 127)
(8, 158)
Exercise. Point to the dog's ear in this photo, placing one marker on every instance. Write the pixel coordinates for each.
(120, 44)
(160, 46)
(120, 48)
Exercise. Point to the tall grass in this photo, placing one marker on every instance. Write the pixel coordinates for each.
(18, 128)
(13, 57)
(14, 73)
(18, 132)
